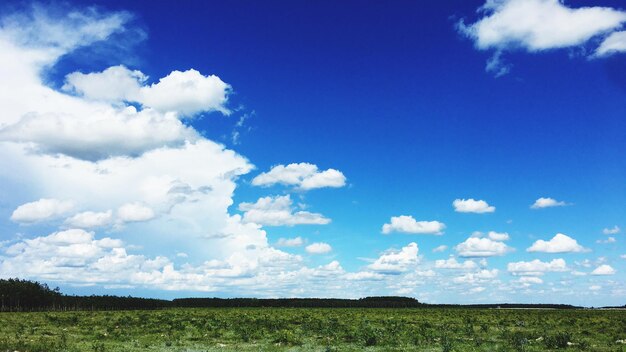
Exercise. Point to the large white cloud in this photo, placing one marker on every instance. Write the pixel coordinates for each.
(278, 211)
(303, 176)
(407, 224)
(482, 247)
(472, 206)
(537, 25)
(536, 267)
(560, 243)
(41, 210)
(49, 121)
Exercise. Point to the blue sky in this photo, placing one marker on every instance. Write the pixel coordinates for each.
(165, 151)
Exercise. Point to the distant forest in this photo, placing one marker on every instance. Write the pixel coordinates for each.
(25, 295)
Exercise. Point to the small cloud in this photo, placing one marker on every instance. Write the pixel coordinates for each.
(560, 243)
(318, 248)
(472, 206)
(279, 211)
(441, 248)
(290, 242)
(603, 269)
(536, 267)
(303, 176)
(595, 288)
(547, 203)
(607, 241)
(407, 224)
(612, 231)
(482, 247)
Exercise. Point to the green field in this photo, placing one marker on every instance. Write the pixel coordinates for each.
(308, 329)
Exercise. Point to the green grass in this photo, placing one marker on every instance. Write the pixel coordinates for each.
(307, 329)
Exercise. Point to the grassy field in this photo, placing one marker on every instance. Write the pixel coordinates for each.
(306, 329)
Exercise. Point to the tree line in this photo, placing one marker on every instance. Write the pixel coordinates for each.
(25, 295)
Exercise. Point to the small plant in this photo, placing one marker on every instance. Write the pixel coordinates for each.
(558, 340)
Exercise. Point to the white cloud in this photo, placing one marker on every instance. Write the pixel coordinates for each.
(318, 248)
(530, 280)
(41, 209)
(481, 247)
(364, 276)
(614, 43)
(407, 224)
(290, 242)
(278, 211)
(472, 206)
(134, 212)
(90, 219)
(187, 93)
(612, 231)
(477, 289)
(303, 176)
(609, 239)
(595, 288)
(560, 243)
(603, 269)
(498, 236)
(547, 203)
(537, 267)
(537, 25)
(480, 276)
(452, 263)
(396, 262)
(441, 248)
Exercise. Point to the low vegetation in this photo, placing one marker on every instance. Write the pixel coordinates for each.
(314, 329)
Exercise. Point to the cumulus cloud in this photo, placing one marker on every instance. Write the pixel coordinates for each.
(560, 243)
(536, 25)
(472, 206)
(611, 231)
(603, 269)
(452, 263)
(318, 248)
(41, 209)
(482, 247)
(278, 211)
(396, 261)
(536, 267)
(290, 242)
(547, 203)
(303, 176)
(498, 236)
(91, 125)
(184, 92)
(407, 224)
(90, 219)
